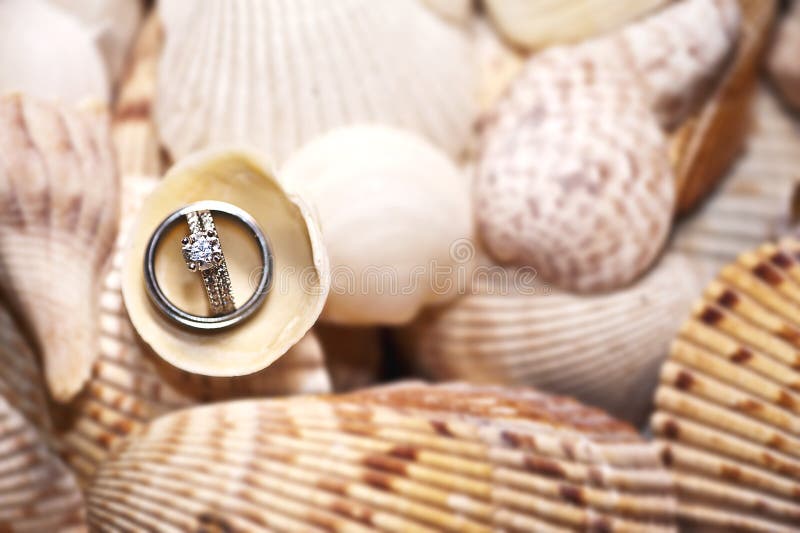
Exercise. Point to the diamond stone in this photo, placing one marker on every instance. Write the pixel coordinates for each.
(201, 251)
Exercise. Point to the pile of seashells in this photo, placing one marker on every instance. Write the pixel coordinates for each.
(478, 210)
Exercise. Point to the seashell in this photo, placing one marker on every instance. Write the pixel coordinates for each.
(300, 269)
(783, 63)
(111, 24)
(498, 65)
(756, 202)
(604, 349)
(394, 249)
(708, 143)
(46, 53)
(727, 406)
(355, 355)
(58, 219)
(398, 64)
(590, 207)
(410, 457)
(542, 23)
(459, 11)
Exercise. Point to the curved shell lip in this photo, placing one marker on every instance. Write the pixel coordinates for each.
(144, 321)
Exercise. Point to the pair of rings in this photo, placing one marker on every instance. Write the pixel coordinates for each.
(203, 254)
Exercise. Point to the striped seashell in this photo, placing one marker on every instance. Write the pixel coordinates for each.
(224, 75)
(46, 53)
(727, 407)
(58, 218)
(574, 177)
(410, 457)
(604, 349)
(783, 63)
(540, 23)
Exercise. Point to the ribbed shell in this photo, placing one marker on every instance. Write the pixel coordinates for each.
(784, 58)
(58, 218)
(406, 458)
(574, 177)
(275, 74)
(728, 407)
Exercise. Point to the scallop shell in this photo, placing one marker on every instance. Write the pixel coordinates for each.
(405, 458)
(58, 218)
(540, 23)
(708, 143)
(354, 355)
(784, 63)
(727, 407)
(300, 271)
(229, 78)
(46, 53)
(574, 177)
(604, 349)
(394, 248)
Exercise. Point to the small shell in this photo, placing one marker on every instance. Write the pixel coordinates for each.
(393, 210)
(409, 457)
(706, 145)
(276, 74)
(784, 59)
(574, 178)
(354, 356)
(728, 407)
(300, 271)
(45, 52)
(58, 218)
(604, 349)
(535, 24)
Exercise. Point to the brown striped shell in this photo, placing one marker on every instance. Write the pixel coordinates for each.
(409, 457)
(784, 58)
(728, 406)
(58, 218)
(574, 177)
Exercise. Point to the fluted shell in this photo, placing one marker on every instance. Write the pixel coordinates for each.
(257, 71)
(45, 52)
(58, 218)
(603, 349)
(394, 211)
(458, 11)
(354, 356)
(300, 266)
(707, 143)
(784, 61)
(410, 457)
(112, 24)
(498, 65)
(728, 407)
(574, 177)
(757, 201)
(533, 24)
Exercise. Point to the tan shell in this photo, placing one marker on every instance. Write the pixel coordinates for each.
(354, 355)
(301, 271)
(259, 73)
(46, 53)
(498, 65)
(784, 60)
(535, 24)
(707, 144)
(574, 177)
(58, 219)
(728, 407)
(393, 210)
(458, 11)
(604, 349)
(410, 457)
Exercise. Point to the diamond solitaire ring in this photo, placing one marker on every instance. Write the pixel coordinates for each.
(202, 253)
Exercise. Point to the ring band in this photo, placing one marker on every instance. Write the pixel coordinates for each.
(202, 252)
(225, 312)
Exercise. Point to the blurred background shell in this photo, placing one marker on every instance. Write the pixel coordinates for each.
(458, 11)
(728, 407)
(409, 457)
(784, 58)
(392, 208)
(227, 78)
(45, 52)
(58, 219)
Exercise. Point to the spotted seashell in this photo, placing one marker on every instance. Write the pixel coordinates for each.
(409, 457)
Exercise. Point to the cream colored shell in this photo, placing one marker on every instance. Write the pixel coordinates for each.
(301, 270)
(784, 60)
(58, 218)
(728, 407)
(275, 74)
(459, 11)
(46, 53)
(409, 457)
(394, 211)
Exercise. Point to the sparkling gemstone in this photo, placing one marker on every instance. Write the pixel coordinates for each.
(201, 250)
